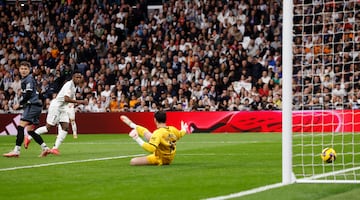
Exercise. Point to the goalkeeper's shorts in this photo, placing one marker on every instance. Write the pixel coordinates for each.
(156, 160)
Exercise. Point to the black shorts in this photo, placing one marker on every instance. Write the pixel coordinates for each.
(32, 113)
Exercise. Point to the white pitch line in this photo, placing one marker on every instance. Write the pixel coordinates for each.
(67, 162)
(247, 192)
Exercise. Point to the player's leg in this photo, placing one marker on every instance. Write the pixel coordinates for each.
(146, 160)
(30, 116)
(63, 128)
(51, 120)
(127, 121)
(27, 140)
(74, 128)
(139, 161)
(142, 131)
(39, 131)
(35, 115)
(71, 113)
(19, 140)
(25, 120)
(38, 139)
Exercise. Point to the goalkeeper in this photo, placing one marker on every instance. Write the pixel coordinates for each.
(161, 143)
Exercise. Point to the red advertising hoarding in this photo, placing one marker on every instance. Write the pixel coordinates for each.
(208, 122)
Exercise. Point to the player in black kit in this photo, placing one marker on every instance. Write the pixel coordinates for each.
(32, 106)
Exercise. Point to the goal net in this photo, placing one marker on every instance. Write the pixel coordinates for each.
(325, 90)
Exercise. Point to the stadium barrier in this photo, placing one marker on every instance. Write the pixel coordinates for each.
(208, 122)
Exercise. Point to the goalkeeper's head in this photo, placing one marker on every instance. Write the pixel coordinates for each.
(160, 117)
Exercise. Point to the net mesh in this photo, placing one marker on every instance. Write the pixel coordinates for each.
(326, 96)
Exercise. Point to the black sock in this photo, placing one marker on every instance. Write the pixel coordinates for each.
(38, 139)
(20, 136)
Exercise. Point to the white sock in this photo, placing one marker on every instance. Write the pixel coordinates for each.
(132, 125)
(60, 137)
(44, 146)
(74, 127)
(17, 149)
(39, 131)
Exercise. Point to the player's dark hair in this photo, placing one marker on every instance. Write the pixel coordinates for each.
(160, 116)
(76, 72)
(25, 63)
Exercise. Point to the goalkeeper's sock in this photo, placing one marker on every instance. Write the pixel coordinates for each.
(127, 121)
(132, 125)
(139, 141)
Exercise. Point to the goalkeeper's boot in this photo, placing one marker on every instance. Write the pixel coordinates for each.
(26, 142)
(55, 151)
(45, 152)
(12, 154)
(126, 120)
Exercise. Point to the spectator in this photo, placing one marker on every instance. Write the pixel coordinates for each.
(175, 46)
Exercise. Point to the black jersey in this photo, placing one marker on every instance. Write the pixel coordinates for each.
(29, 84)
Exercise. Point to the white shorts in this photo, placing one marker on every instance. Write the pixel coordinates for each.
(56, 115)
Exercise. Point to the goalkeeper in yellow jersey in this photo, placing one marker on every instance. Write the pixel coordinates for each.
(161, 143)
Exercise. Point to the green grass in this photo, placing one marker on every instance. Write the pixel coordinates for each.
(206, 165)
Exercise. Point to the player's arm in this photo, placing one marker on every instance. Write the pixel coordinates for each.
(26, 97)
(183, 131)
(70, 100)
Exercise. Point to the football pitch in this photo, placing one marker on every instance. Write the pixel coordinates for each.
(207, 166)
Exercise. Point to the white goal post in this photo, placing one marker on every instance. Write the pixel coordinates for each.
(321, 90)
(287, 89)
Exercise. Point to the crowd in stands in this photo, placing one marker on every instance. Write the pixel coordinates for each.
(201, 55)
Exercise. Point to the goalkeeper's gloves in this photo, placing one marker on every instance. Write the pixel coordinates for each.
(185, 127)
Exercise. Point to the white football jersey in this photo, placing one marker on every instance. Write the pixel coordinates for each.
(68, 89)
(58, 107)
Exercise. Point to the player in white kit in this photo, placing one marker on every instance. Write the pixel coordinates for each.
(57, 113)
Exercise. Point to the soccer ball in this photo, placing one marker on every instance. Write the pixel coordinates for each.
(328, 155)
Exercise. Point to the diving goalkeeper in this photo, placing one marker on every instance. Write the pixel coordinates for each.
(161, 143)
